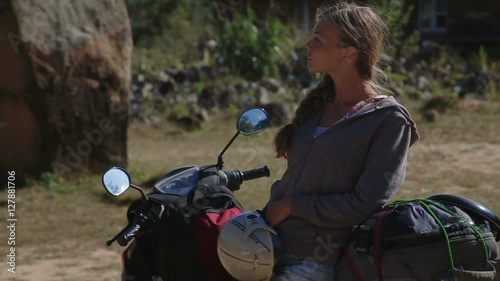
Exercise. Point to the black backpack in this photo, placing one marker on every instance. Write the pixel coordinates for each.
(424, 239)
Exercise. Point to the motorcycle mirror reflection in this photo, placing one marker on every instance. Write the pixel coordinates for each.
(252, 121)
(116, 180)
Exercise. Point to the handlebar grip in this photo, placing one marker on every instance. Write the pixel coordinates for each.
(256, 173)
(127, 234)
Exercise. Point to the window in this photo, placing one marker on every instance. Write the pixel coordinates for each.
(432, 15)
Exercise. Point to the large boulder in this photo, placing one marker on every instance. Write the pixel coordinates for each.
(64, 85)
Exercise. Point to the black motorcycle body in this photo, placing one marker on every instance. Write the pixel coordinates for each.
(163, 223)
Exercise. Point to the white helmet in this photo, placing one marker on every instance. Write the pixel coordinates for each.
(248, 248)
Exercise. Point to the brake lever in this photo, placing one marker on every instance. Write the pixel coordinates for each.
(112, 240)
(151, 211)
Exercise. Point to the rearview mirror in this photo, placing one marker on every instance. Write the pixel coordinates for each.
(116, 180)
(252, 121)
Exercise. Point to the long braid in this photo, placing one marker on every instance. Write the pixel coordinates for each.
(311, 103)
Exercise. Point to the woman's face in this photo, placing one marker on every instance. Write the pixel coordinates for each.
(324, 51)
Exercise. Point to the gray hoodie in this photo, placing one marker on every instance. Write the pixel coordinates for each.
(341, 177)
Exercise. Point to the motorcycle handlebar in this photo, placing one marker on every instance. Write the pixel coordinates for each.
(234, 178)
(127, 234)
(256, 173)
(144, 218)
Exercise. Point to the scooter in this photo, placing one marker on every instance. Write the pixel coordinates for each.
(174, 228)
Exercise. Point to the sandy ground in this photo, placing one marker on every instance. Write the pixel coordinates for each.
(100, 264)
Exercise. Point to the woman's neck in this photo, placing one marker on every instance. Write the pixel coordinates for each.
(349, 92)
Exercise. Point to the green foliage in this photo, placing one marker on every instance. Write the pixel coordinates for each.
(138, 176)
(148, 17)
(492, 92)
(222, 81)
(481, 62)
(149, 61)
(397, 78)
(232, 111)
(396, 14)
(250, 47)
(177, 109)
(48, 181)
(483, 59)
(167, 32)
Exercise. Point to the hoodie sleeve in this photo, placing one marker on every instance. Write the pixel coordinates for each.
(384, 172)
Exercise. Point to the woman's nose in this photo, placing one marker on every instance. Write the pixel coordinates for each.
(308, 45)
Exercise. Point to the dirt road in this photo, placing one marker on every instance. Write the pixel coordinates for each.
(100, 264)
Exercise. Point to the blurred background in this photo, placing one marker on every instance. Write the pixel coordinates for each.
(150, 85)
(68, 67)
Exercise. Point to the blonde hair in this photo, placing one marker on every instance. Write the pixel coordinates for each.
(361, 28)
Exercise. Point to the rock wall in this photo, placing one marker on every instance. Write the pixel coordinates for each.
(68, 79)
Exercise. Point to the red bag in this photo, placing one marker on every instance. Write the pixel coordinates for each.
(206, 228)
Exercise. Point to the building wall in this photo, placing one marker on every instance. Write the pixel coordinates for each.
(474, 20)
(469, 21)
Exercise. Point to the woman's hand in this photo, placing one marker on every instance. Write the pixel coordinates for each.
(278, 211)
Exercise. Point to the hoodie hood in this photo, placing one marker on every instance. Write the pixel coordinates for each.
(392, 102)
(381, 103)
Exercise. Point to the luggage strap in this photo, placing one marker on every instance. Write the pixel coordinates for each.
(377, 243)
(425, 203)
(376, 250)
(350, 264)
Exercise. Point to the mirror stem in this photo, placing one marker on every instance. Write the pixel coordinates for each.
(220, 160)
(144, 196)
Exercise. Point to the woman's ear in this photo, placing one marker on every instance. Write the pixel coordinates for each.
(350, 52)
(349, 55)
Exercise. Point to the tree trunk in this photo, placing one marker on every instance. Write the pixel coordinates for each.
(64, 85)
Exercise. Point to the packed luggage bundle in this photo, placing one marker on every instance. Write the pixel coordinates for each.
(443, 237)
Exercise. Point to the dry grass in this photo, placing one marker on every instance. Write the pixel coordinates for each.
(65, 224)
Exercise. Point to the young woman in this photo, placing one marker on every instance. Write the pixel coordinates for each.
(346, 148)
